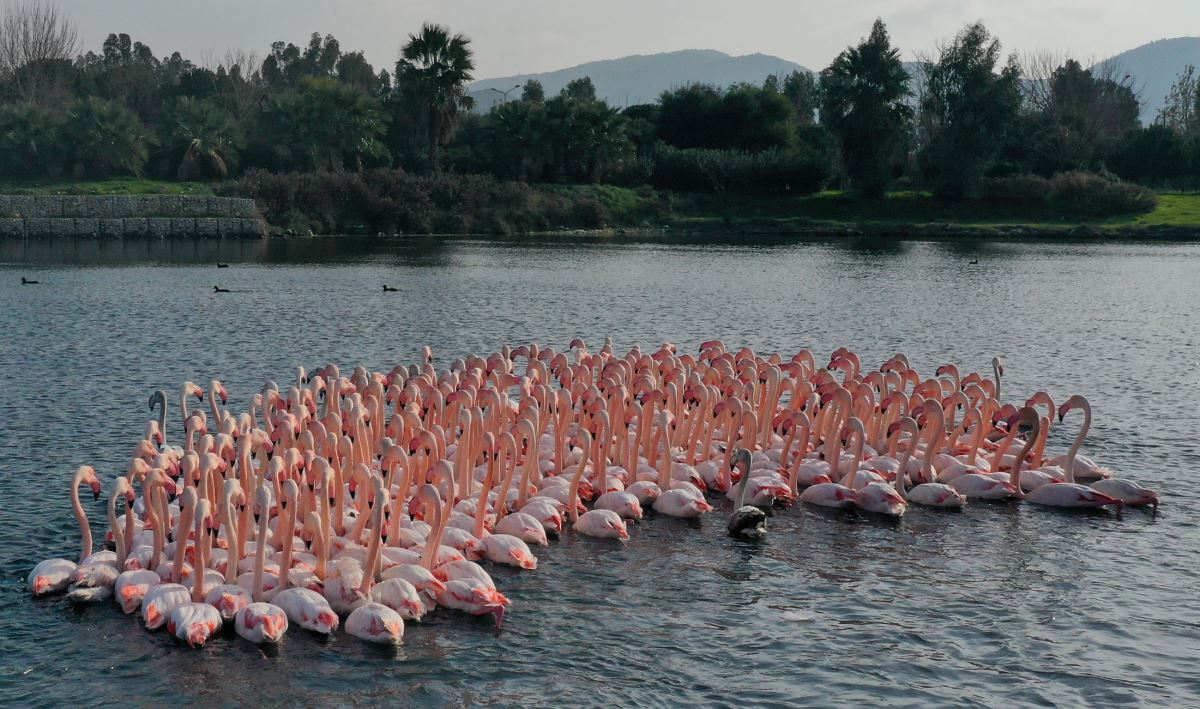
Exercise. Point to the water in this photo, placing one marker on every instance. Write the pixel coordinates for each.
(998, 605)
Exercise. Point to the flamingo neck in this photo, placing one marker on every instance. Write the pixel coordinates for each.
(85, 528)
(1078, 443)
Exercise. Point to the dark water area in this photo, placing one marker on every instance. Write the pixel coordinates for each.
(1000, 605)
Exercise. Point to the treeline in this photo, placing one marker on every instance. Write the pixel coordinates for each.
(969, 124)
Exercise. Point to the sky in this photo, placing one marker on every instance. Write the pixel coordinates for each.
(528, 36)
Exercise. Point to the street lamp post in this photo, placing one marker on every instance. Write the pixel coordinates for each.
(505, 93)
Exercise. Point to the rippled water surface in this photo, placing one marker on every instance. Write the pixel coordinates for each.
(998, 605)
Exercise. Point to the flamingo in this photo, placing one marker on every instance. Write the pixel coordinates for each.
(1126, 491)
(927, 494)
(746, 520)
(54, 575)
(1068, 494)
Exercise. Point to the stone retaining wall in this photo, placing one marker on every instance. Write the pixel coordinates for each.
(134, 216)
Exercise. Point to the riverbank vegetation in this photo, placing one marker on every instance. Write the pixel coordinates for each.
(324, 141)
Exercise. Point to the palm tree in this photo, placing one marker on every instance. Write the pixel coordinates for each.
(105, 139)
(205, 137)
(433, 71)
(31, 141)
(863, 103)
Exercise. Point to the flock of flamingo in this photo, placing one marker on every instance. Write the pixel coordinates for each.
(372, 498)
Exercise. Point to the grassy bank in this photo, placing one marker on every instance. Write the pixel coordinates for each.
(482, 205)
(120, 186)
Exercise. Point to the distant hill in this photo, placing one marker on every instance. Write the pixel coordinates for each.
(1154, 67)
(641, 78)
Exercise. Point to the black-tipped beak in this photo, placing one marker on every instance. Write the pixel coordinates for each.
(308, 544)
(256, 516)
(95, 495)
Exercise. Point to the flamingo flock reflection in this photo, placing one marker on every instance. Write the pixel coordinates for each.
(368, 500)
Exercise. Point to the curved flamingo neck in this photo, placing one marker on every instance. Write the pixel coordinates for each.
(794, 473)
(85, 528)
(1015, 474)
(1078, 443)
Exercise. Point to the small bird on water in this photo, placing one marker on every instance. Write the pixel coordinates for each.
(26, 282)
(973, 262)
(389, 289)
(222, 265)
(219, 289)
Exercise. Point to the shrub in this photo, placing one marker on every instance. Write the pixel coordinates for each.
(1018, 189)
(386, 200)
(1075, 194)
(1089, 194)
(800, 171)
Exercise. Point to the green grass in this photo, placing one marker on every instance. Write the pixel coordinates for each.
(644, 207)
(118, 186)
(1173, 210)
(903, 208)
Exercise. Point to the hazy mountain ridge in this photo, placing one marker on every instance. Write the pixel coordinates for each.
(640, 78)
(1154, 67)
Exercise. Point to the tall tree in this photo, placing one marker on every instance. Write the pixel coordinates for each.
(433, 71)
(323, 125)
(581, 88)
(967, 110)
(1181, 107)
(863, 104)
(802, 90)
(35, 43)
(533, 91)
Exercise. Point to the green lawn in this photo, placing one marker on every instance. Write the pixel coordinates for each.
(1173, 210)
(903, 208)
(624, 206)
(119, 186)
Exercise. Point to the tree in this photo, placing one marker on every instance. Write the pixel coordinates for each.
(323, 125)
(1150, 154)
(802, 90)
(581, 88)
(355, 70)
(514, 139)
(432, 73)
(35, 42)
(533, 91)
(203, 137)
(287, 65)
(105, 138)
(863, 104)
(128, 73)
(31, 141)
(1181, 107)
(967, 110)
(743, 117)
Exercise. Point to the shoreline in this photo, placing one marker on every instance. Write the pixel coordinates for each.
(208, 217)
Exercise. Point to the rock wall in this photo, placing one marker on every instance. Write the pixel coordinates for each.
(132, 216)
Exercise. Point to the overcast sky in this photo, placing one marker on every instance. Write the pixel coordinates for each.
(524, 36)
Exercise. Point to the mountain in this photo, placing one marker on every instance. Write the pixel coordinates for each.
(641, 78)
(1154, 67)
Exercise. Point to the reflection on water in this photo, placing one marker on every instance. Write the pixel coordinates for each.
(1000, 605)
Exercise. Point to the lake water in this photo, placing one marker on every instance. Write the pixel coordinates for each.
(1000, 605)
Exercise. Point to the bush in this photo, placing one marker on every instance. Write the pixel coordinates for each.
(800, 171)
(31, 141)
(1076, 194)
(388, 201)
(1089, 194)
(1018, 189)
